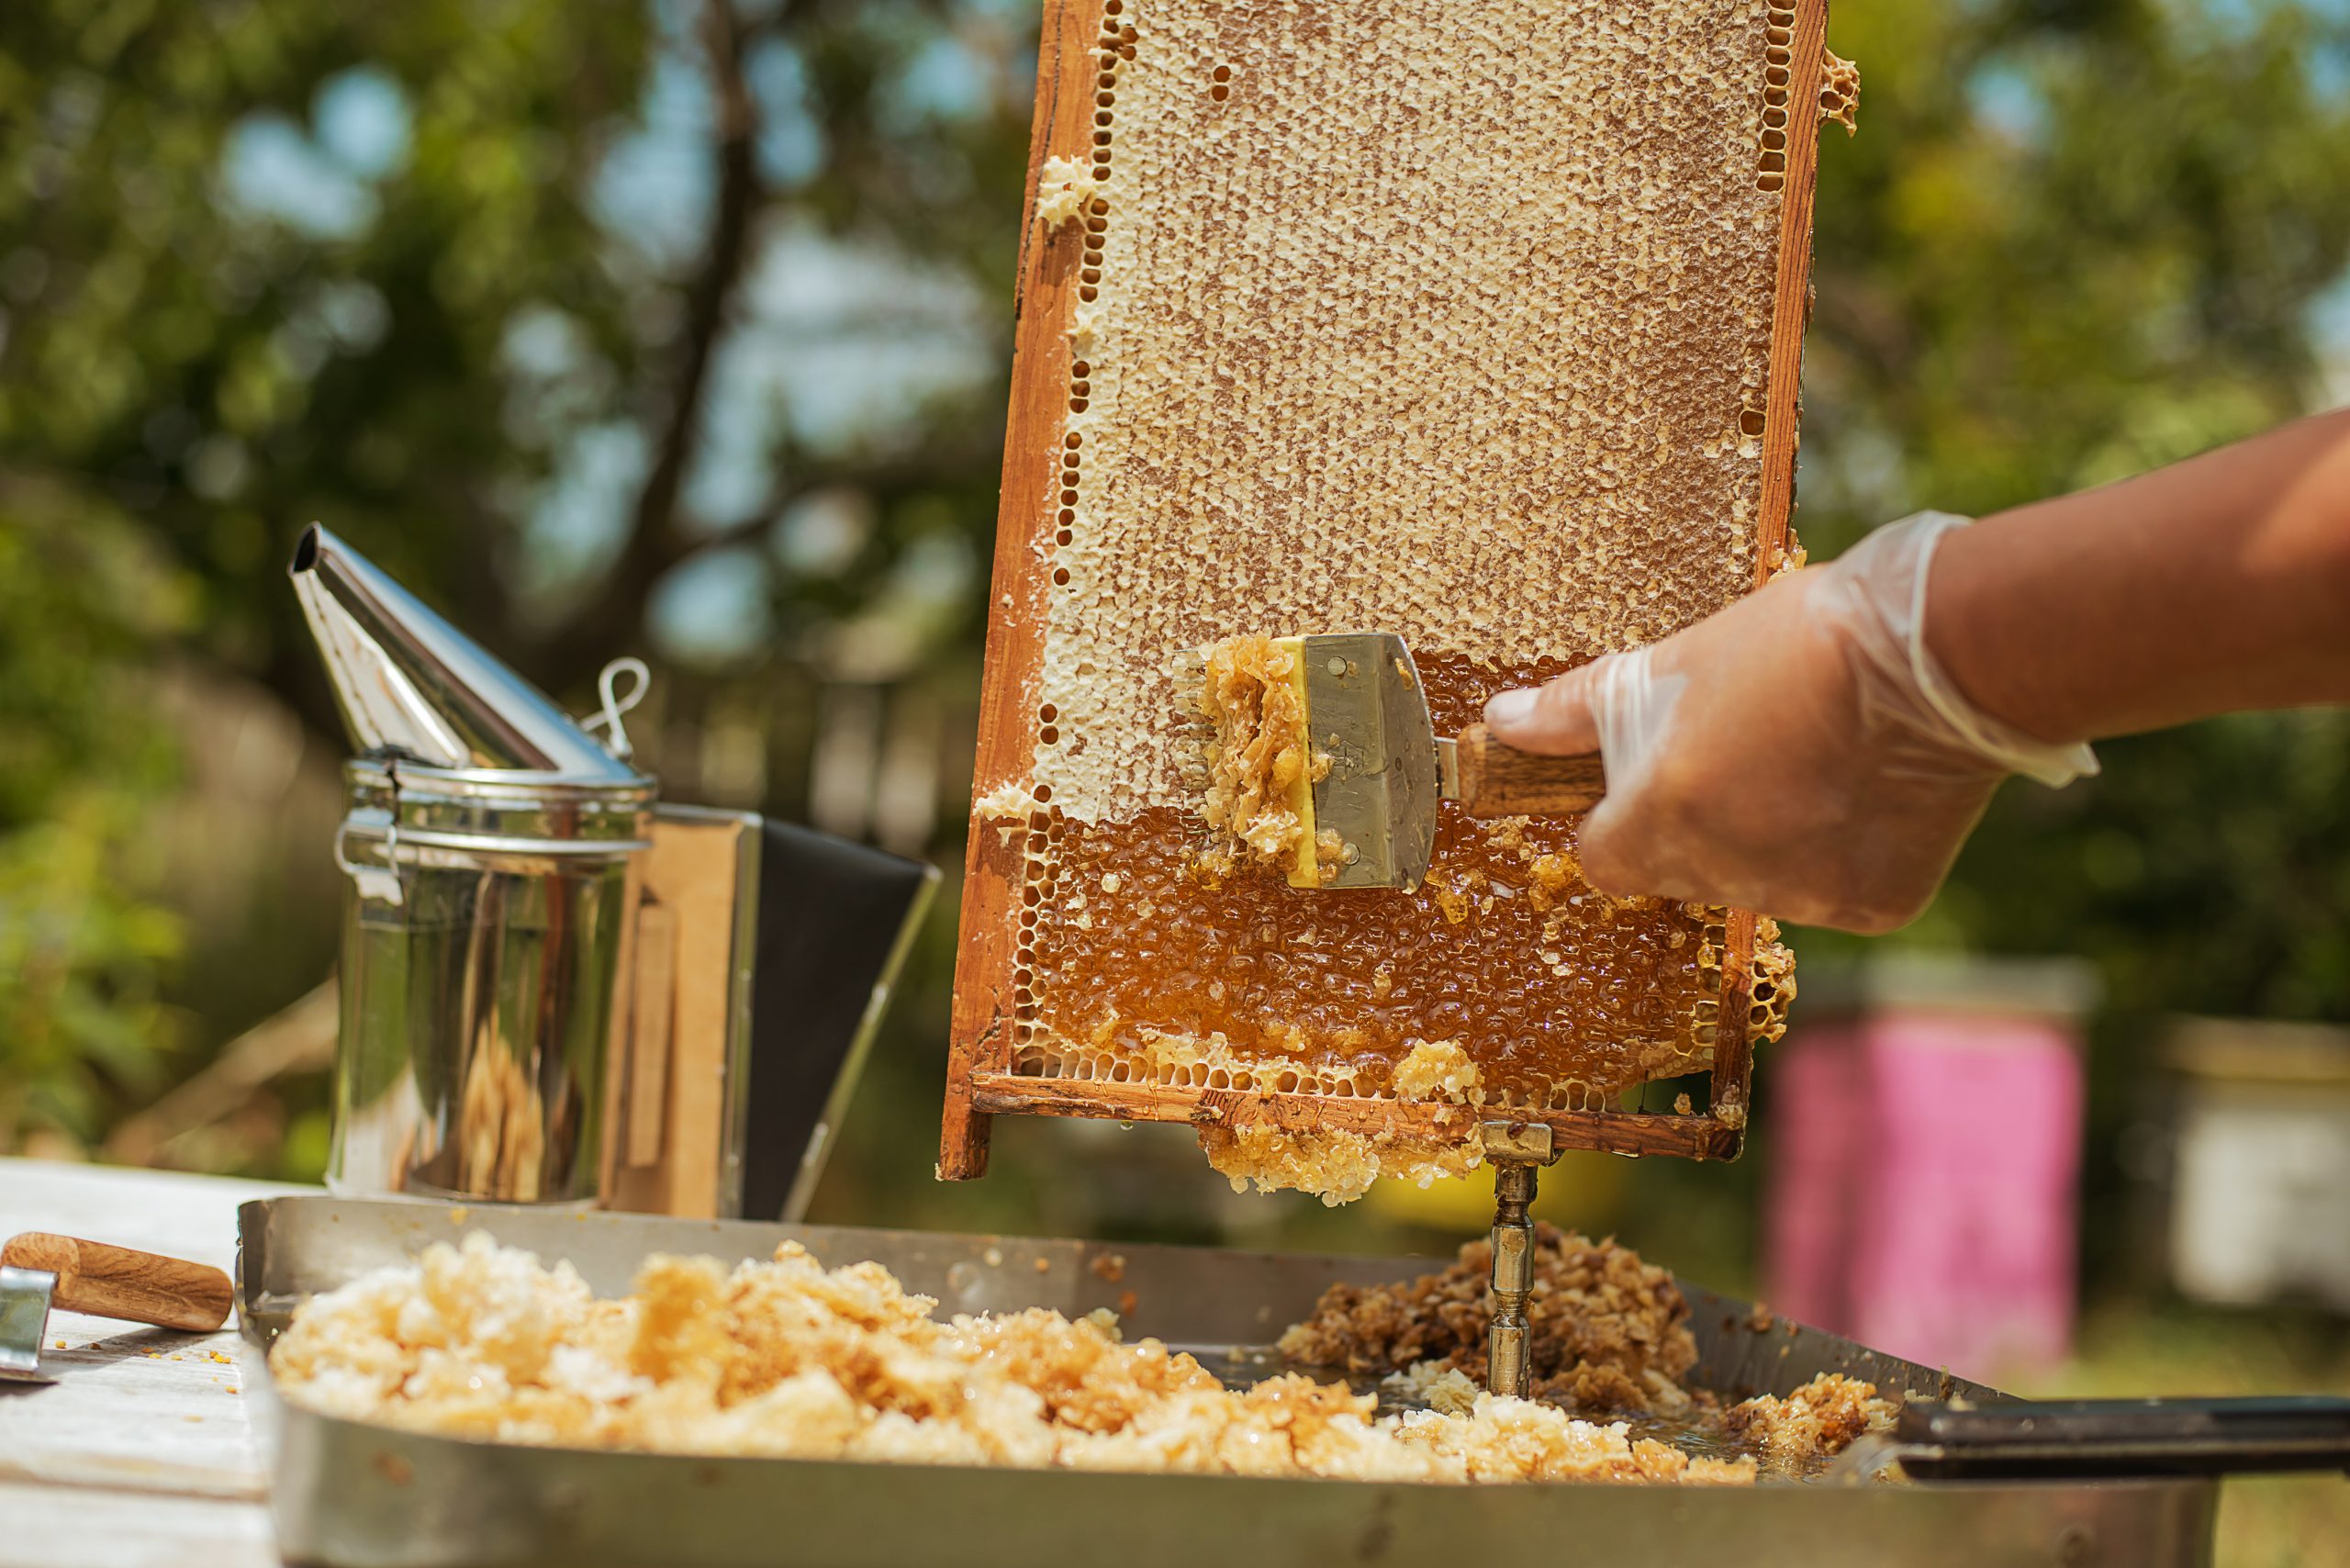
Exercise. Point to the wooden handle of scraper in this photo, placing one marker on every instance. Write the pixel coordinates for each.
(116, 1281)
(1498, 780)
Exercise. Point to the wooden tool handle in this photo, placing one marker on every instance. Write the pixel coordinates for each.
(115, 1282)
(1502, 782)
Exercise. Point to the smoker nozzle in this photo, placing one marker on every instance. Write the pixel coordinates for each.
(411, 684)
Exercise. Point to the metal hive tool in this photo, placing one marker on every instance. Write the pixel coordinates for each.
(1365, 813)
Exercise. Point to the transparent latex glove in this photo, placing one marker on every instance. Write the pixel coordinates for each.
(1800, 753)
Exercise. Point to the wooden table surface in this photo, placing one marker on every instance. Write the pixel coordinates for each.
(142, 1450)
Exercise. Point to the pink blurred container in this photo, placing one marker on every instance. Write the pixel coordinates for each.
(1922, 1194)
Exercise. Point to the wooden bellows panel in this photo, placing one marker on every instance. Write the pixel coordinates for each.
(1469, 321)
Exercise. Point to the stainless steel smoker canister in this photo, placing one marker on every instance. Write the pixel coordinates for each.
(493, 850)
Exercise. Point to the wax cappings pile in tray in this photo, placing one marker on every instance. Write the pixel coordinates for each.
(788, 1358)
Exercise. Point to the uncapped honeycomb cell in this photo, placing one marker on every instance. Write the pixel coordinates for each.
(1158, 959)
(1840, 93)
(1446, 318)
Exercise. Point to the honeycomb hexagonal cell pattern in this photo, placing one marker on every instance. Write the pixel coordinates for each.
(1449, 318)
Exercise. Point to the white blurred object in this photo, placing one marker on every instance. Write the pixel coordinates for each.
(2260, 1208)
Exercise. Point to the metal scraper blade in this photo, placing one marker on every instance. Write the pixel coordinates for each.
(24, 1319)
(1366, 711)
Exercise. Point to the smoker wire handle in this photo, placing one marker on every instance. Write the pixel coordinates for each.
(2075, 1439)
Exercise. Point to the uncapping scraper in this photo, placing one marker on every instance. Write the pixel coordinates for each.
(1373, 807)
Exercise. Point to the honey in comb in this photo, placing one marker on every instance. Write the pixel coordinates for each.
(1402, 315)
(1153, 962)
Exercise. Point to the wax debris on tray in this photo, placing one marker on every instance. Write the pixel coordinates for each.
(1823, 1417)
(1609, 1331)
(1610, 1335)
(788, 1358)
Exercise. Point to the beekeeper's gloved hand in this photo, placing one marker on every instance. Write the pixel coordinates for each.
(1819, 749)
(1801, 753)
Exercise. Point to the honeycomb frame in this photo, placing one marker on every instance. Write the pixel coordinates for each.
(992, 1068)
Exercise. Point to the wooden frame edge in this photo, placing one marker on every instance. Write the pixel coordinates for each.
(980, 1026)
(1694, 1136)
(1731, 1097)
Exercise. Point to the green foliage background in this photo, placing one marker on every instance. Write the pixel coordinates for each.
(2073, 239)
(191, 369)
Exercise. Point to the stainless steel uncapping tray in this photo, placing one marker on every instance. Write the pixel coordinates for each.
(347, 1492)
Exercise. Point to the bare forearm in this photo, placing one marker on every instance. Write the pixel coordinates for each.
(2215, 585)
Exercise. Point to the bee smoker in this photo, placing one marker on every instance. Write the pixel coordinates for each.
(492, 848)
(554, 990)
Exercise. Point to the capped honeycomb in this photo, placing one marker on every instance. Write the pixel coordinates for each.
(1436, 317)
